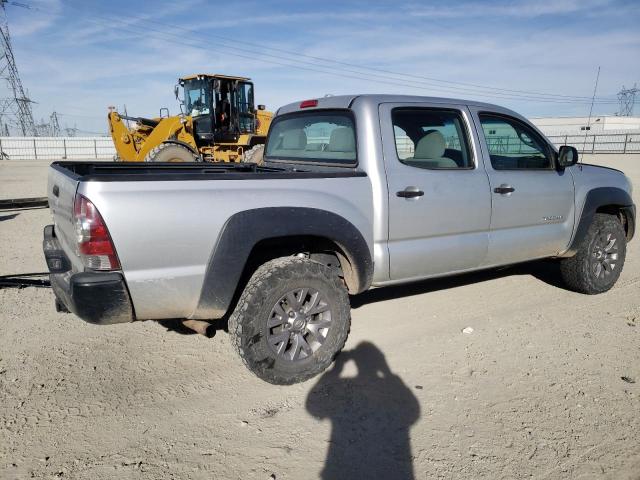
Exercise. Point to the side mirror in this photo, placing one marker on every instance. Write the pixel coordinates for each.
(176, 92)
(567, 156)
(261, 107)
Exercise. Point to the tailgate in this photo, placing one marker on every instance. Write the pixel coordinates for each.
(61, 191)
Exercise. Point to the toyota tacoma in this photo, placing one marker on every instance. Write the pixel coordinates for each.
(354, 192)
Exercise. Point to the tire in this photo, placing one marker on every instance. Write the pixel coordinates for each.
(254, 155)
(258, 332)
(170, 152)
(597, 265)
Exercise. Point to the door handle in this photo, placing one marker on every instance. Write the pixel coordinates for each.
(504, 189)
(410, 192)
(56, 190)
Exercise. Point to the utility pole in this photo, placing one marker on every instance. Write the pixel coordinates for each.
(17, 104)
(627, 99)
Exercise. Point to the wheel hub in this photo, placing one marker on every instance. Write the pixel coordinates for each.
(605, 255)
(298, 324)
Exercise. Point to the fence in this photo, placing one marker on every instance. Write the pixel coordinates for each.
(600, 142)
(56, 148)
(505, 144)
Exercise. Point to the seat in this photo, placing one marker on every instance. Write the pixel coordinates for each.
(341, 140)
(430, 150)
(294, 140)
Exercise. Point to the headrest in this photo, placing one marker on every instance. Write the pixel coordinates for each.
(432, 145)
(342, 140)
(294, 140)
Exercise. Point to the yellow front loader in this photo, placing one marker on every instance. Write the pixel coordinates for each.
(219, 123)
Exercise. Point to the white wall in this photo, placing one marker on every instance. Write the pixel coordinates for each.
(599, 123)
(56, 148)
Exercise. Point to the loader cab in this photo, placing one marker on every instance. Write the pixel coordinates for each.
(221, 107)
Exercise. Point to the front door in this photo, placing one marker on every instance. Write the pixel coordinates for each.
(533, 201)
(439, 200)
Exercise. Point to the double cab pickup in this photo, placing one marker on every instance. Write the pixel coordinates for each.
(353, 192)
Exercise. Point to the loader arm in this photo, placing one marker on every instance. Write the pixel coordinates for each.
(133, 145)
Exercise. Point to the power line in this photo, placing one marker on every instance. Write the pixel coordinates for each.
(405, 80)
(355, 74)
(303, 65)
(363, 67)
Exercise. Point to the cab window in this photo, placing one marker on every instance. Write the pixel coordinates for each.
(317, 136)
(245, 107)
(431, 138)
(513, 145)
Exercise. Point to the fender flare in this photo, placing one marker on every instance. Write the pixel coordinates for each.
(597, 198)
(245, 229)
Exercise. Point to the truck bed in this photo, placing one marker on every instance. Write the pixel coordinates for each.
(139, 171)
(165, 219)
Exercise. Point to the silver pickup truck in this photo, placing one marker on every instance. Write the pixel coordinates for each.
(355, 192)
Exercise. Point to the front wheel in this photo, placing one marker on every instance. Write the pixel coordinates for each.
(291, 320)
(597, 264)
(170, 152)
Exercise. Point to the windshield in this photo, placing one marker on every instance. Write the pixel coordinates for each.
(318, 136)
(197, 97)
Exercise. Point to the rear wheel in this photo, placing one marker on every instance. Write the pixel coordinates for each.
(170, 152)
(597, 265)
(291, 320)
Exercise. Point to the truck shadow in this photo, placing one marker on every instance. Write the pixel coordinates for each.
(8, 217)
(547, 271)
(370, 415)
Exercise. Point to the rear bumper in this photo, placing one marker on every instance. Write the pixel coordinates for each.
(96, 297)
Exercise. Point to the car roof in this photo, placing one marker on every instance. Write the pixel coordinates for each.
(212, 75)
(347, 101)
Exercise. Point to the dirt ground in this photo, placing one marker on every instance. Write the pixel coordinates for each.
(536, 390)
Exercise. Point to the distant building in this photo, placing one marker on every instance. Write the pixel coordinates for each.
(597, 124)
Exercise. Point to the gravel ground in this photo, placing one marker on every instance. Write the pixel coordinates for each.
(536, 390)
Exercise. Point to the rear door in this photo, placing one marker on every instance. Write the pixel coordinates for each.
(533, 202)
(439, 201)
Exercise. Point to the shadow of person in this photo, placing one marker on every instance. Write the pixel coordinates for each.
(371, 415)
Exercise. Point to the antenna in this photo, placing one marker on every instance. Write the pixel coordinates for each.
(593, 99)
(18, 104)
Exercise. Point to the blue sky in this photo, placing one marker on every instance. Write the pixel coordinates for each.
(79, 57)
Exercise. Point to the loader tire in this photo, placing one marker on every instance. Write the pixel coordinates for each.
(170, 152)
(291, 320)
(254, 155)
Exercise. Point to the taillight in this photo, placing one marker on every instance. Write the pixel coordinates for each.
(309, 103)
(95, 247)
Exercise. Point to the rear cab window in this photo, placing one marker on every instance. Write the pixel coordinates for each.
(319, 136)
(431, 138)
